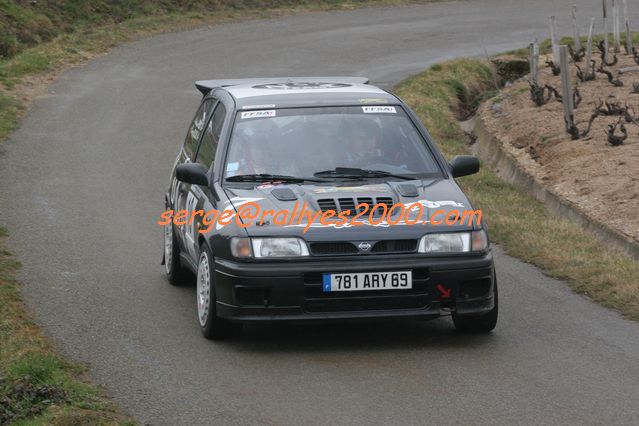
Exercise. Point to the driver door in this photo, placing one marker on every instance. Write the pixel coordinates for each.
(184, 196)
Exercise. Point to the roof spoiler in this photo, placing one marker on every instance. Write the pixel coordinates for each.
(205, 86)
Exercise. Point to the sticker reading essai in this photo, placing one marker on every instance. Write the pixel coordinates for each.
(258, 114)
(379, 109)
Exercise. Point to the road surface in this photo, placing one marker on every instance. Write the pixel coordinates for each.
(82, 184)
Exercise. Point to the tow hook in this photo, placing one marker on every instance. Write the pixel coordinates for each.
(447, 304)
(444, 293)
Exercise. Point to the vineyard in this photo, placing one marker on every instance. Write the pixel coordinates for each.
(591, 160)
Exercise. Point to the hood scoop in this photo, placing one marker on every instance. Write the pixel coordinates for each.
(407, 190)
(284, 194)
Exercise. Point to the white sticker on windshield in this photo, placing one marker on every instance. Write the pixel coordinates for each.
(379, 109)
(231, 167)
(258, 114)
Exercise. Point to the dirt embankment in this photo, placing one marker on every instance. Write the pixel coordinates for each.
(599, 179)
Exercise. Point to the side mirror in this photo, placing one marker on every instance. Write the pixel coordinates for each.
(464, 165)
(192, 173)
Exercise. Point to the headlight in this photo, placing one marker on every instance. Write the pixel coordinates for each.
(454, 242)
(268, 247)
(279, 247)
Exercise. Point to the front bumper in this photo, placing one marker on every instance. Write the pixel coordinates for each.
(274, 291)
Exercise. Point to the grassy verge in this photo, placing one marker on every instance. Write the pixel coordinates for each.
(517, 221)
(36, 385)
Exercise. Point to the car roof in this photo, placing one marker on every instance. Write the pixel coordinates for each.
(299, 92)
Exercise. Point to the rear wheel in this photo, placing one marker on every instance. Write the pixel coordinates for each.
(484, 323)
(213, 327)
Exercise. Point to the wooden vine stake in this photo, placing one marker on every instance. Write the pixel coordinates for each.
(575, 29)
(566, 89)
(605, 28)
(589, 44)
(534, 63)
(626, 20)
(554, 40)
(615, 25)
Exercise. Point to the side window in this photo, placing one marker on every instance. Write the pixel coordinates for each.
(197, 126)
(211, 138)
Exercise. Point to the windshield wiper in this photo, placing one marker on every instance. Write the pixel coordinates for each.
(356, 173)
(266, 177)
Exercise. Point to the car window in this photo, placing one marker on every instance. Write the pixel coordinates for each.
(211, 138)
(197, 126)
(304, 141)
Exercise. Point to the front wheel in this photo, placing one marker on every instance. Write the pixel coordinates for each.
(172, 265)
(213, 327)
(484, 323)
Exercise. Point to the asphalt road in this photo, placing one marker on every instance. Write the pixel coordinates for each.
(82, 183)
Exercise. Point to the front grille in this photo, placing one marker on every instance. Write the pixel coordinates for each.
(333, 248)
(337, 248)
(395, 246)
(316, 300)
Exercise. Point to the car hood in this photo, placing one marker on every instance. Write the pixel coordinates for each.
(433, 195)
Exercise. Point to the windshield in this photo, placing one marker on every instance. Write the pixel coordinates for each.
(304, 141)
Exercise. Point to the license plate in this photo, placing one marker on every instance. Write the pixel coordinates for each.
(397, 280)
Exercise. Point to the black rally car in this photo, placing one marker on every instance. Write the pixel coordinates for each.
(329, 143)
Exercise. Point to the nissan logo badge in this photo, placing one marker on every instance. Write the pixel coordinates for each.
(364, 246)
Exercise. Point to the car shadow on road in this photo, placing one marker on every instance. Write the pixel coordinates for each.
(378, 335)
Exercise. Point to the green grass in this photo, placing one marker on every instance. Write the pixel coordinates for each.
(517, 221)
(36, 385)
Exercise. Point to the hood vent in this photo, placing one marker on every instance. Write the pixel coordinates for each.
(388, 201)
(284, 194)
(407, 190)
(350, 203)
(347, 204)
(327, 204)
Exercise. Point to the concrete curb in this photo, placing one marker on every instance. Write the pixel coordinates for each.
(489, 149)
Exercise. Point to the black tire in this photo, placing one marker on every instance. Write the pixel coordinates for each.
(484, 323)
(212, 326)
(175, 273)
